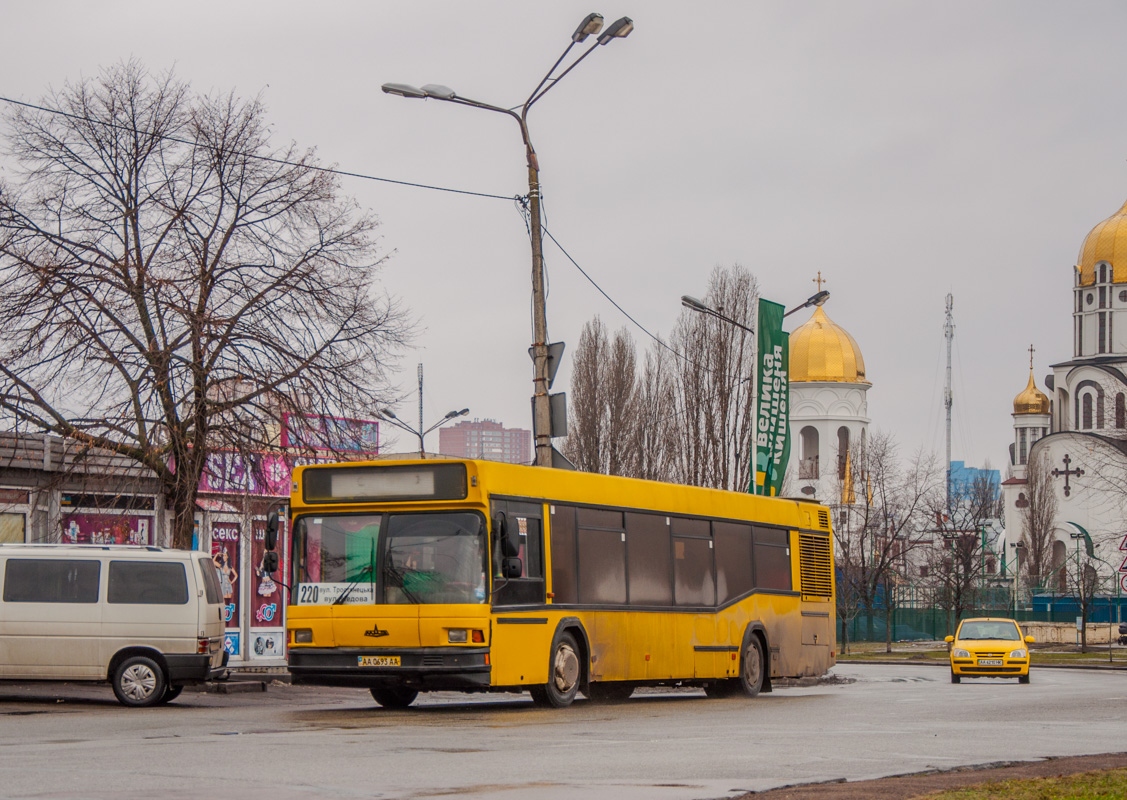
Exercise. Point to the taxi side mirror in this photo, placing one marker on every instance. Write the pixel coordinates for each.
(948, 639)
(1029, 640)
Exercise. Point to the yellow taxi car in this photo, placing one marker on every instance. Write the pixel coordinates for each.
(989, 647)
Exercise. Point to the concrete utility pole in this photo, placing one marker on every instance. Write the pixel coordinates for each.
(592, 24)
(948, 398)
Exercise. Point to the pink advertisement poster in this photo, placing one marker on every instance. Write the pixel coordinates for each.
(267, 595)
(225, 547)
(107, 529)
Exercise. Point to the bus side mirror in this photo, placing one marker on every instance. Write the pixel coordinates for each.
(511, 568)
(272, 532)
(505, 536)
(269, 561)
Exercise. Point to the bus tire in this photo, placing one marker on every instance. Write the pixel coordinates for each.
(752, 667)
(393, 696)
(610, 692)
(565, 673)
(139, 681)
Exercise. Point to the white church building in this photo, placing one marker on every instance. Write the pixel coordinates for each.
(1079, 426)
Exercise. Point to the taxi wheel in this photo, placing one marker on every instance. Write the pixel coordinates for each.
(393, 696)
(955, 678)
(1023, 679)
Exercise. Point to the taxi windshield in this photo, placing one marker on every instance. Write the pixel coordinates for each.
(989, 629)
(389, 558)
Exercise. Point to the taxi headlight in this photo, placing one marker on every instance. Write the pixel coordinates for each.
(457, 635)
(960, 653)
(1021, 652)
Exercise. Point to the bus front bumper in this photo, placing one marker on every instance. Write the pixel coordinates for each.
(422, 668)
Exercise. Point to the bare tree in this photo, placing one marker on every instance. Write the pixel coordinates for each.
(878, 528)
(1038, 520)
(713, 387)
(170, 282)
(655, 431)
(603, 416)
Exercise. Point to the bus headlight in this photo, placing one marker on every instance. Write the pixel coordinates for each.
(303, 636)
(456, 635)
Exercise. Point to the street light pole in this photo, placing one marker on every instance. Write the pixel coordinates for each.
(591, 24)
(388, 415)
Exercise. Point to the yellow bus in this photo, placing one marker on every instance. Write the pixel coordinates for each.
(415, 576)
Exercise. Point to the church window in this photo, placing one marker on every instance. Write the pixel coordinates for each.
(1103, 297)
(1090, 298)
(923, 570)
(1103, 273)
(808, 465)
(1086, 412)
(1120, 411)
(1123, 296)
(991, 565)
(842, 450)
(1099, 409)
(1103, 332)
(1021, 445)
(1079, 336)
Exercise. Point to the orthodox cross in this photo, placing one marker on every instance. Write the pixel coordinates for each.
(1030, 358)
(819, 280)
(1056, 473)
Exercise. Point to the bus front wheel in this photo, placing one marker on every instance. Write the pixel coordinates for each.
(564, 674)
(752, 665)
(393, 696)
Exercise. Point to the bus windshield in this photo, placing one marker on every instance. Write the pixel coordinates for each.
(389, 558)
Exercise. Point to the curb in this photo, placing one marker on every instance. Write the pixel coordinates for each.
(932, 663)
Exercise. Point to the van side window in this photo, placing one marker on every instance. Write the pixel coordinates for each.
(147, 582)
(210, 580)
(36, 580)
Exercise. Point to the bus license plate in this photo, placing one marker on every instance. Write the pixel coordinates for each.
(378, 661)
(989, 662)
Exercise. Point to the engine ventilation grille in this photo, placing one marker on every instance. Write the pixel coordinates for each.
(824, 519)
(816, 565)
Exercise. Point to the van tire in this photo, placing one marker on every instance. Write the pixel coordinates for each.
(139, 681)
(393, 696)
(171, 693)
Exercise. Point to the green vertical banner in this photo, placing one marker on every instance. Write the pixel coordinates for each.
(772, 434)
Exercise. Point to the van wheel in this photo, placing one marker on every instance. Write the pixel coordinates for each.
(171, 693)
(564, 673)
(750, 680)
(393, 696)
(139, 681)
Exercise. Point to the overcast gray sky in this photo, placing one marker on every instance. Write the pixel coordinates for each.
(906, 150)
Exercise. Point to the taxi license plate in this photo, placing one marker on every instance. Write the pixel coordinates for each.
(989, 662)
(377, 661)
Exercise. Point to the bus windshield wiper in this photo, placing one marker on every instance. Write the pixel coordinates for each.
(348, 589)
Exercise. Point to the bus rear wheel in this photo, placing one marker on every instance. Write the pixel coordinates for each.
(393, 696)
(564, 674)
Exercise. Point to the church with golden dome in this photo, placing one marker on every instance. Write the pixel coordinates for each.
(1076, 431)
(829, 410)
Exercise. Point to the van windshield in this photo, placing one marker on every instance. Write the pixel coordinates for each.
(389, 558)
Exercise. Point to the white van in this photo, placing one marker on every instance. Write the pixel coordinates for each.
(147, 619)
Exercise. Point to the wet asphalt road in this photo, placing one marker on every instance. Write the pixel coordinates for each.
(75, 741)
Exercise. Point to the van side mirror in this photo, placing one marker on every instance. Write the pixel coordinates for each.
(269, 561)
(272, 532)
(511, 568)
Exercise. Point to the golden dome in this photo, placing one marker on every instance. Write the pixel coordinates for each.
(1031, 400)
(1107, 242)
(821, 350)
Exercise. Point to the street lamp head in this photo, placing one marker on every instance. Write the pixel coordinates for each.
(386, 413)
(593, 23)
(820, 298)
(619, 29)
(693, 303)
(403, 90)
(463, 412)
(438, 91)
